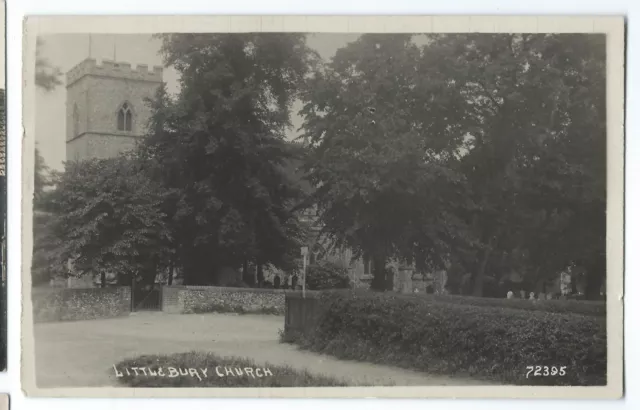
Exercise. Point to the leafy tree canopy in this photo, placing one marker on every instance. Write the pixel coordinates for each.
(105, 215)
(484, 150)
(219, 147)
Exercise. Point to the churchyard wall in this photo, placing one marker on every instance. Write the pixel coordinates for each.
(205, 299)
(67, 304)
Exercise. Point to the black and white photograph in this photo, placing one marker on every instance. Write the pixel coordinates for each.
(389, 209)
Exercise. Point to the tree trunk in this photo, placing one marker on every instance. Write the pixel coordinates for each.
(380, 281)
(478, 284)
(103, 279)
(390, 275)
(170, 280)
(595, 276)
(245, 270)
(260, 275)
(192, 267)
(247, 274)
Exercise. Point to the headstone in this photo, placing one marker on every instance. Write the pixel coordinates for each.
(532, 296)
(405, 276)
(510, 295)
(549, 296)
(523, 294)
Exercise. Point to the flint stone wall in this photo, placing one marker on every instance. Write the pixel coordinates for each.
(205, 299)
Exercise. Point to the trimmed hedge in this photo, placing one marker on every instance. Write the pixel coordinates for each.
(582, 307)
(493, 343)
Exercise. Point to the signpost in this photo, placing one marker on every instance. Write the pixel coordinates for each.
(304, 251)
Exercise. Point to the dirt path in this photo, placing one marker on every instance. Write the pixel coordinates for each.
(79, 354)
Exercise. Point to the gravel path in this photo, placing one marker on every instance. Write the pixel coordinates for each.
(80, 354)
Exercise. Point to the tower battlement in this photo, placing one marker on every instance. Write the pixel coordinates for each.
(113, 69)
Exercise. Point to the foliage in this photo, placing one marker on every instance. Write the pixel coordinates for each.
(42, 180)
(326, 275)
(47, 76)
(44, 262)
(105, 216)
(494, 343)
(219, 148)
(587, 308)
(532, 113)
(283, 376)
(482, 150)
(364, 128)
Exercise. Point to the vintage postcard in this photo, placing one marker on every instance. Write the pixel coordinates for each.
(290, 206)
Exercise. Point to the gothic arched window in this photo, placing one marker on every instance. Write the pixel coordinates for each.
(125, 118)
(76, 120)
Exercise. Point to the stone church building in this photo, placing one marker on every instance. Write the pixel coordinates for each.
(106, 109)
(106, 113)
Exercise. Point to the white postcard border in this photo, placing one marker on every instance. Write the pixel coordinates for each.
(612, 26)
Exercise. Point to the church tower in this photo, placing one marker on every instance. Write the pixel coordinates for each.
(106, 107)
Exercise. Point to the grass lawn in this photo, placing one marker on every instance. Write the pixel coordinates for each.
(201, 369)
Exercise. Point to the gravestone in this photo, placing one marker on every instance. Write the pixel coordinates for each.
(404, 279)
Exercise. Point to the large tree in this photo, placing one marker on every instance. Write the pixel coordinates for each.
(45, 246)
(382, 189)
(481, 150)
(219, 147)
(105, 215)
(532, 114)
(47, 76)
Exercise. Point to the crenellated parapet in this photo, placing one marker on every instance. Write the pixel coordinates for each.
(113, 69)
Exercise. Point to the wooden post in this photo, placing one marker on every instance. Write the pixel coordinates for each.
(133, 279)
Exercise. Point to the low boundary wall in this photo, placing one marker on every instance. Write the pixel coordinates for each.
(67, 304)
(205, 299)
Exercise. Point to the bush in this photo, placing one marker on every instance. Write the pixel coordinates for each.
(238, 284)
(281, 376)
(493, 343)
(326, 275)
(582, 307)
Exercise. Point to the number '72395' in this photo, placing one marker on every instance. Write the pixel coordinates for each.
(543, 371)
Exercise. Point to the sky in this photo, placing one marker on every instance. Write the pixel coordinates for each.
(64, 51)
